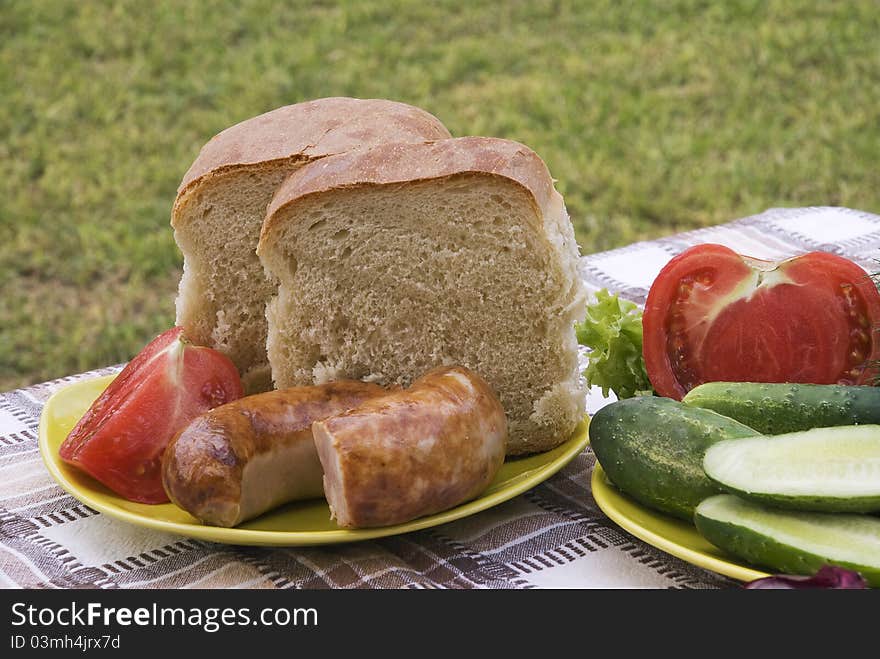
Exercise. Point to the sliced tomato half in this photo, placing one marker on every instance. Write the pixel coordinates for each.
(120, 439)
(713, 315)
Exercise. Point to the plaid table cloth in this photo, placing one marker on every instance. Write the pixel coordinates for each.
(553, 536)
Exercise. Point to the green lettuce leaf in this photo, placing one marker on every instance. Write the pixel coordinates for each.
(612, 330)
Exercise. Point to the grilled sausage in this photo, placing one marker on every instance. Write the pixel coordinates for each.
(244, 458)
(412, 452)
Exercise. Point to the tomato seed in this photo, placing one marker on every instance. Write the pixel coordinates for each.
(859, 336)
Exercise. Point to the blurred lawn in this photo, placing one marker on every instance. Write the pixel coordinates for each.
(655, 117)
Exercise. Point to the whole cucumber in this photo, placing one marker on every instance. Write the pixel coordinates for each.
(791, 542)
(777, 408)
(652, 449)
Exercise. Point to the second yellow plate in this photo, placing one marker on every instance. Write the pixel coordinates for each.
(674, 536)
(302, 523)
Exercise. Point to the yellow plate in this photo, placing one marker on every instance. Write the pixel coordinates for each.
(302, 523)
(673, 536)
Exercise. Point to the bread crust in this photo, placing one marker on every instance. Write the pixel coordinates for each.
(402, 163)
(306, 131)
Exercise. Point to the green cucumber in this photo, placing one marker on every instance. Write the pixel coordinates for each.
(777, 408)
(652, 449)
(791, 542)
(823, 469)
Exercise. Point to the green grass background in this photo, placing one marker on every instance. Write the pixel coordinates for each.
(655, 117)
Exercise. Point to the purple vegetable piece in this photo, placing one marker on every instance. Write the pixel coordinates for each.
(828, 576)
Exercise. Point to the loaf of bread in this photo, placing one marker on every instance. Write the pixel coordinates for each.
(222, 200)
(395, 259)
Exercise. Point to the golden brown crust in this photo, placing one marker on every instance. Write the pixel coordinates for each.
(399, 163)
(309, 130)
(412, 452)
(203, 466)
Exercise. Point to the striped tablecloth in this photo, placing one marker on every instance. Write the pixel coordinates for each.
(554, 536)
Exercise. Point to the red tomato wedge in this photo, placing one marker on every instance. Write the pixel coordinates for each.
(713, 315)
(120, 440)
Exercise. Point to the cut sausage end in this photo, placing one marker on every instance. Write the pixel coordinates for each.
(333, 482)
(412, 452)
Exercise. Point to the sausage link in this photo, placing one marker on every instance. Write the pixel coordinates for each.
(412, 452)
(253, 454)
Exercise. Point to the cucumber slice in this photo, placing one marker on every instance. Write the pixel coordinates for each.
(791, 542)
(823, 470)
(775, 408)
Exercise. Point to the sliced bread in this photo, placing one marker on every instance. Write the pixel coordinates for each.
(399, 258)
(221, 204)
